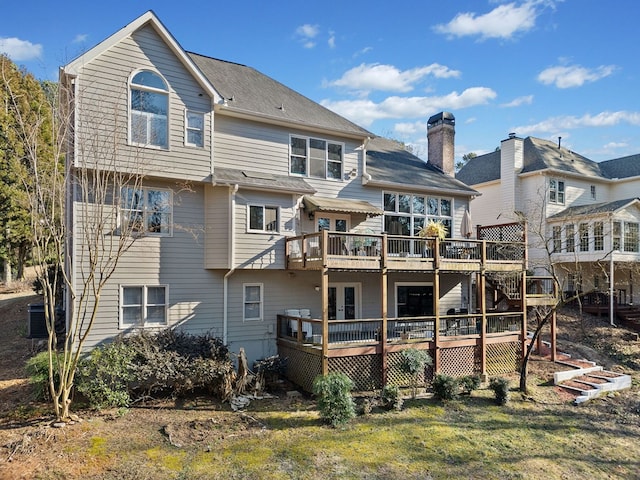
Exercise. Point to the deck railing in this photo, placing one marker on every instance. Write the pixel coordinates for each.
(342, 332)
(375, 250)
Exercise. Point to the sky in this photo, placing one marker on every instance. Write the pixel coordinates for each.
(542, 68)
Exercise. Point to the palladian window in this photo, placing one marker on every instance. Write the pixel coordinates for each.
(149, 110)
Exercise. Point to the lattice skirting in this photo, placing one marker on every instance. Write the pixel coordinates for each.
(460, 361)
(303, 367)
(395, 375)
(364, 370)
(503, 358)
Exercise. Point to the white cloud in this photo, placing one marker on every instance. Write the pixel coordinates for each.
(365, 112)
(80, 38)
(503, 21)
(332, 39)
(307, 33)
(20, 50)
(614, 145)
(516, 102)
(574, 75)
(375, 76)
(569, 122)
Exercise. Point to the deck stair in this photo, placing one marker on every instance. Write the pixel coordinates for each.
(586, 380)
(629, 316)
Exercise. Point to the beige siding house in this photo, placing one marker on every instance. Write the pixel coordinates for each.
(276, 224)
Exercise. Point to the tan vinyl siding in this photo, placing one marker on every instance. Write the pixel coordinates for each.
(104, 91)
(217, 204)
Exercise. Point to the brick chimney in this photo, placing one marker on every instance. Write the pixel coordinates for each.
(441, 132)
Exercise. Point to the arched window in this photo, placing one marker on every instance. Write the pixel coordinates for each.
(149, 110)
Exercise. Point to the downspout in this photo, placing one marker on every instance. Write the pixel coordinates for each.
(366, 178)
(232, 264)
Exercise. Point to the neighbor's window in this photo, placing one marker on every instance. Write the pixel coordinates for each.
(598, 236)
(556, 191)
(143, 306)
(593, 192)
(630, 237)
(314, 157)
(194, 125)
(146, 211)
(149, 110)
(407, 214)
(263, 219)
(584, 237)
(570, 240)
(617, 236)
(557, 239)
(252, 308)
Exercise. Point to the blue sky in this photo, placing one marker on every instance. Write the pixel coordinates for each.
(546, 68)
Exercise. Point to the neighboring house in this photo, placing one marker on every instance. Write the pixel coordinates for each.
(583, 216)
(274, 223)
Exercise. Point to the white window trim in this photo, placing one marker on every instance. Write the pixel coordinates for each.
(326, 159)
(146, 233)
(129, 109)
(187, 111)
(557, 191)
(244, 302)
(144, 305)
(263, 230)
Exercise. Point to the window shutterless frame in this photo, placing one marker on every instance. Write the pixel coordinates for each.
(148, 110)
(143, 306)
(252, 302)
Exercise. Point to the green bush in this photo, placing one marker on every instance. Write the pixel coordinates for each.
(335, 402)
(37, 369)
(469, 383)
(445, 387)
(413, 362)
(104, 376)
(391, 398)
(500, 387)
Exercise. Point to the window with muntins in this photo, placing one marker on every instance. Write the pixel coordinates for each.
(194, 126)
(315, 157)
(263, 219)
(252, 301)
(146, 211)
(143, 306)
(598, 236)
(149, 111)
(556, 191)
(407, 214)
(630, 237)
(570, 240)
(557, 239)
(584, 237)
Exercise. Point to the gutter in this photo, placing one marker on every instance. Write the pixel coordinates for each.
(232, 264)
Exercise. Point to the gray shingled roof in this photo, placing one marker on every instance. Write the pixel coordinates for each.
(480, 169)
(388, 161)
(595, 209)
(261, 180)
(247, 90)
(623, 167)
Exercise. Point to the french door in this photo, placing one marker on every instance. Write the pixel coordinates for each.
(344, 301)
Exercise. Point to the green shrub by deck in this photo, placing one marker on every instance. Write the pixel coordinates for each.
(445, 387)
(335, 401)
(500, 387)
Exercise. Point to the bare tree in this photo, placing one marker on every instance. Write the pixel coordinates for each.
(83, 184)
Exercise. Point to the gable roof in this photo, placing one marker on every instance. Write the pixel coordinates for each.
(148, 18)
(623, 167)
(389, 164)
(595, 209)
(247, 92)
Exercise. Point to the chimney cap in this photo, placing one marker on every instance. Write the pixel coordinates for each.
(442, 117)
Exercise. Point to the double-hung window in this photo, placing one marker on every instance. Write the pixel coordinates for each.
(631, 237)
(407, 214)
(315, 157)
(263, 219)
(149, 97)
(252, 301)
(194, 128)
(598, 236)
(557, 239)
(143, 306)
(556, 191)
(570, 240)
(146, 211)
(584, 237)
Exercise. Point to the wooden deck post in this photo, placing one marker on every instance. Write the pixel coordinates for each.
(436, 325)
(383, 334)
(482, 297)
(523, 333)
(324, 287)
(554, 332)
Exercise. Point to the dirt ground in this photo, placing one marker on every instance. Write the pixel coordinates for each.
(28, 443)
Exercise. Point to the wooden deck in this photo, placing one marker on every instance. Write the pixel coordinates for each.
(351, 251)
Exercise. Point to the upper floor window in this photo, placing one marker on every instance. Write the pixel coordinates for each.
(557, 239)
(143, 306)
(616, 238)
(407, 214)
(598, 236)
(149, 124)
(631, 242)
(263, 219)
(314, 157)
(146, 211)
(584, 237)
(194, 128)
(593, 192)
(570, 238)
(556, 191)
